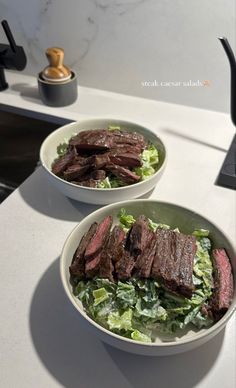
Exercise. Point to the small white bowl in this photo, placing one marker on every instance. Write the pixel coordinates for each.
(167, 213)
(48, 153)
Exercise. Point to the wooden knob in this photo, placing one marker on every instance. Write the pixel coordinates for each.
(56, 71)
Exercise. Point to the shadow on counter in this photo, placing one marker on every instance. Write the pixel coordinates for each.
(77, 359)
(38, 193)
(192, 139)
(27, 92)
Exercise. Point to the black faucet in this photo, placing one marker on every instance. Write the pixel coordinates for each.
(12, 57)
(227, 175)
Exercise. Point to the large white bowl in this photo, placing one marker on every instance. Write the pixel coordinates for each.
(48, 153)
(175, 216)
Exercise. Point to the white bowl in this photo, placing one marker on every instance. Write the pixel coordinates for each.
(48, 153)
(175, 216)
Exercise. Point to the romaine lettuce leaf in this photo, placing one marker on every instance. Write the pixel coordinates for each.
(126, 294)
(100, 295)
(120, 321)
(62, 149)
(201, 233)
(138, 336)
(126, 220)
(150, 160)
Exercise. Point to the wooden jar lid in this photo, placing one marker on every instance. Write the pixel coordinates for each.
(56, 71)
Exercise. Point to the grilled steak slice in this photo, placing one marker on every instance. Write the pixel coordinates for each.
(223, 283)
(162, 253)
(85, 161)
(124, 266)
(106, 267)
(171, 276)
(132, 138)
(186, 286)
(143, 264)
(99, 238)
(98, 175)
(127, 148)
(112, 253)
(92, 266)
(101, 160)
(116, 243)
(77, 266)
(123, 173)
(62, 163)
(138, 236)
(75, 171)
(173, 261)
(125, 159)
(92, 140)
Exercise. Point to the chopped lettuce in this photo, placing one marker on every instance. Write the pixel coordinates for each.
(150, 160)
(138, 336)
(126, 294)
(119, 321)
(100, 295)
(153, 225)
(201, 233)
(114, 128)
(201, 320)
(110, 183)
(205, 243)
(62, 149)
(126, 220)
(139, 308)
(203, 269)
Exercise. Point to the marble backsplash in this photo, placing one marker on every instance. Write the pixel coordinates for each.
(160, 49)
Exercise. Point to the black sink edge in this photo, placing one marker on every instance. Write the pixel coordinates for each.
(35, 115)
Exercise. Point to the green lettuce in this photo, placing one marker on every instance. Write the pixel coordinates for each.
(126, 220)
(138, 336)
(150, 160)
(62, 149)
(117, 321)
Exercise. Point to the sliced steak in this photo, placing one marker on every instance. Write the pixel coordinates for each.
(124, 266)
(143, 264)
(223, 283)
(112, 253)
(163, 251)
(92, 140)
(125, 159)
(116, 240)
(77, 266)
(59, 166)
(85, 161)
(98, 175)
(99, 239)
(127, 148)
(123, 173)
(171, 276)
(101, 160)
(106, 267)
(186, 286)
(173, 261)
(132, 138)
(75, 171)
(138, 236)
(92, 266)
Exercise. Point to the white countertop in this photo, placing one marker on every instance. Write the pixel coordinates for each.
(42, 343)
